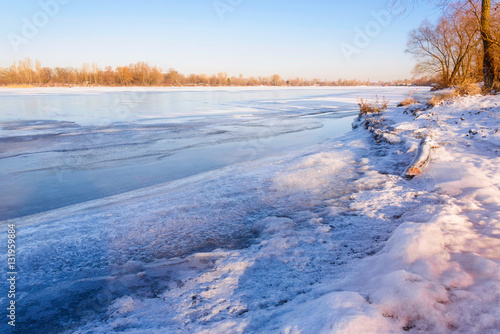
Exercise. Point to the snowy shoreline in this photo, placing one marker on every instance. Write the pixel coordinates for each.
(330, 238)
(439, 272)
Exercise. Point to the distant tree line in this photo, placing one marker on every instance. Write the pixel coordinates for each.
(463, 46)
(28, 72)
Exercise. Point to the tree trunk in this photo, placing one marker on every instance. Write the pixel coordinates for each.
(488, 59)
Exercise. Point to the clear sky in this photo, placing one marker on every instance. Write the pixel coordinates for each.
(254, 37)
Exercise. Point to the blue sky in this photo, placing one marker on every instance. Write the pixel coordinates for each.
(252, 37)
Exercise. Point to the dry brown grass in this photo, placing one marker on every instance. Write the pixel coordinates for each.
(407, 101)
(468, 89)
(373, 106)
(495, 89)
(440, 98)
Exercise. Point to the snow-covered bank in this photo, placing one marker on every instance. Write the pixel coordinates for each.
(329, 238)
(440, 270)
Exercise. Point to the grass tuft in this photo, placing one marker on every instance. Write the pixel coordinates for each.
(371, 107)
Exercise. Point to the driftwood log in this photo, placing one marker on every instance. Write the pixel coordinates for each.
(422, 158)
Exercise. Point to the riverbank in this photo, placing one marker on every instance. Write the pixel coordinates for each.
(439, 272)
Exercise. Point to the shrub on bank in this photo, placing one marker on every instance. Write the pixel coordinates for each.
(373, 106)
(407, 101)
(464, 89)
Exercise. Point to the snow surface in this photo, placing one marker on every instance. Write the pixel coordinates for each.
(327, 239)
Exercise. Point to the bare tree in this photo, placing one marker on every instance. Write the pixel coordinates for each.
(124, 75)
(448, 48)
(482, 9)
(488, 44)
(276, 80)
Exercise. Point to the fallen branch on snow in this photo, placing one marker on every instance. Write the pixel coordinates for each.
(489, 112)
(422, 158)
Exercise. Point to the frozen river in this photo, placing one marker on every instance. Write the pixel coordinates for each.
(65, 146)
(229, 203)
